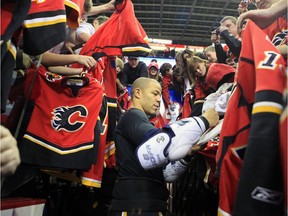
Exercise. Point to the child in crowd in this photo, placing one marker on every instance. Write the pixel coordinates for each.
(153, 72)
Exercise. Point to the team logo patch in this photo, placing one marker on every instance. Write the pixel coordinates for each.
(267, 195)
(160, 139)
(51, 77)
(69, 118)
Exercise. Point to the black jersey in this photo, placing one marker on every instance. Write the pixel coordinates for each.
(131, 131)
(136, 189)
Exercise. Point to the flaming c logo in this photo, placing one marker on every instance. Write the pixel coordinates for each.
(62, 118)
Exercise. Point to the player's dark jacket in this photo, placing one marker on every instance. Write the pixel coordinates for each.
(136, 188)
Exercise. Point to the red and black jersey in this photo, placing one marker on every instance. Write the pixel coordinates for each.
(61, 132)
(110, 90)
(111, 39)
(12, 15)
(44, 27)
(250, 128)
(93, 177)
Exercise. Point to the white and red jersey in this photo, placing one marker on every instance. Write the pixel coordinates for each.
(250, 128)
(61, 132)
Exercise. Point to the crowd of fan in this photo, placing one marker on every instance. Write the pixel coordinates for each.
(202, 80)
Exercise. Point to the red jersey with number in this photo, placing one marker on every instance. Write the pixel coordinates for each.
(250, 128)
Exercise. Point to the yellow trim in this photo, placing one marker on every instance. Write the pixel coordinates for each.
(110, 104)
(44, 22)
(58, 151)
(91, 183)
(72, 5)
(138, 48)
(222, 213)
(199, 101)
(261, 109)
(12, 49)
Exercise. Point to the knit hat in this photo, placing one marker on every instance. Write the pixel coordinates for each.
(217, 72)
(153, 64)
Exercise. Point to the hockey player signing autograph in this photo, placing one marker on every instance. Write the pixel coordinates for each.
(148, 157)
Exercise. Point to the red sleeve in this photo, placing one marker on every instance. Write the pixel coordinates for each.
(165, 91)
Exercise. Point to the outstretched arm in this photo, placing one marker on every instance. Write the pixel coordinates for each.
(102, 8)
(52, 59)
(263, 17)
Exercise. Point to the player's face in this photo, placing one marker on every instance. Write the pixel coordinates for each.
(151, 98)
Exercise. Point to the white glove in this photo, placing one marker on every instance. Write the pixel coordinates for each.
(174, 170)
(187, 133)
(222, 102)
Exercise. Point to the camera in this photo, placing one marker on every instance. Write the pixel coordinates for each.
(216, 31)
